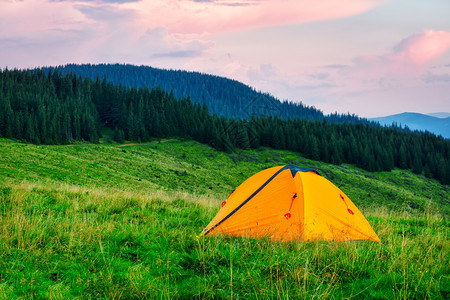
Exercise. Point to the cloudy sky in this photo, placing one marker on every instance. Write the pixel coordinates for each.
(369, 57)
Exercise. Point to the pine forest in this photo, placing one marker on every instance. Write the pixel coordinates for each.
(45, 106)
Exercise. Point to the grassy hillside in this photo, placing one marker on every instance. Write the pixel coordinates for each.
(121, 221)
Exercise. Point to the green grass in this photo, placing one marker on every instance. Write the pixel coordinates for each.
(121, 222)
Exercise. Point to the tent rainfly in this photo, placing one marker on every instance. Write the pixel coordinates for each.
(290, 203)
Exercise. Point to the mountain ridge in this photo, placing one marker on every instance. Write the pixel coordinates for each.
(223, 96)
(439, 114)
(233, 99)
(418, 121)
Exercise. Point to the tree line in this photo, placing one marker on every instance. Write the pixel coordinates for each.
(42, 106)
(223, 96)
(49, 110)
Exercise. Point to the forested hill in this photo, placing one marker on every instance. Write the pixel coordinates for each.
(47, 107)
(222, 96)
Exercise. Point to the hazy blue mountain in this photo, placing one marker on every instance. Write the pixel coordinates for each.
(439, 114)
(416, 121)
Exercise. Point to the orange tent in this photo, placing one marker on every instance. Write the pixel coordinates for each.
(290, 203)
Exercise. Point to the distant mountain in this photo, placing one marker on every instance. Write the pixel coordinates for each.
(439, 115)
(222, 96)
(416, 121)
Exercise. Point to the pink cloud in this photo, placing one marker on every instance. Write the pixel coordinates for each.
(410, 55)
(218, 16)
(421, 48)
(398, 80)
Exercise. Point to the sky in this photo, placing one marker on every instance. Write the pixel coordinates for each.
(368, 57)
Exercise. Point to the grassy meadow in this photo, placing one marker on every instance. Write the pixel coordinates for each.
(109, 221)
